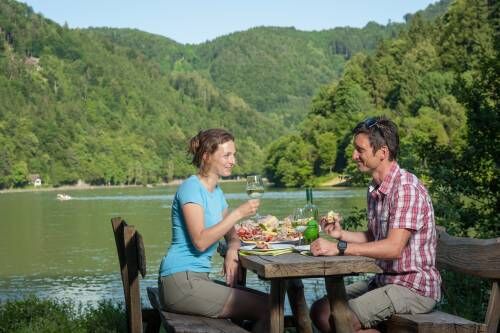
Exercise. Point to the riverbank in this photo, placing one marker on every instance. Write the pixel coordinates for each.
(337, 180)
(84, 186)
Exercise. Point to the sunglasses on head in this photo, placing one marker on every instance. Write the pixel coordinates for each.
(370, 122)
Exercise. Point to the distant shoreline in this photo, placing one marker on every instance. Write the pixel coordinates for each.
(337, 181)
(64, 188)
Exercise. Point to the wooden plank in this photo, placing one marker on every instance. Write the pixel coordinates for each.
(118, 225)
(277, 306)
(349, 265)
(493, 312)
(340, 311)
(477, 257)
(294, 265)
(286, 265)
(433, 322)
(134, 306)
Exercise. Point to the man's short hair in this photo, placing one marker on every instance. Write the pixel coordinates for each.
(381, 132)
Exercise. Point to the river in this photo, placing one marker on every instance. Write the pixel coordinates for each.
(66, 249)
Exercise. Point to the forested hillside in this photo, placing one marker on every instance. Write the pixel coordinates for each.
(116, 106)
(439, 81)
(77, 106)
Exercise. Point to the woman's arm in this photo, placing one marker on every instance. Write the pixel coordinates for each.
(202, 237)
(231, 267)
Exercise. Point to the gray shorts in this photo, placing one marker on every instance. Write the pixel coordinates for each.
(373, 305)
(193, 293)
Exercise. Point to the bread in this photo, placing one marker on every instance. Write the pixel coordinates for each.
(333, 217)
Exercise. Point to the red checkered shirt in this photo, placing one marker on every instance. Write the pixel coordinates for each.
(402, 202)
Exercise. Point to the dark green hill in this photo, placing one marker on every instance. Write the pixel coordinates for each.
(78, 106)
(118, 105)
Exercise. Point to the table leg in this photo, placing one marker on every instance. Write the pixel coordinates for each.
(277, 306)
(335, 289)
(300, 311)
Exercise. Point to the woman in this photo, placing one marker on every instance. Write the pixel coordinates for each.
(200, 217)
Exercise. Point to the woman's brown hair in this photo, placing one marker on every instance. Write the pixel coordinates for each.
(207, 142)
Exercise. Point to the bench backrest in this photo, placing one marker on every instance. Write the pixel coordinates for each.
(132, 260)
(477, 257)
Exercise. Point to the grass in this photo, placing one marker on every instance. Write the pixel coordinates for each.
(36, 315)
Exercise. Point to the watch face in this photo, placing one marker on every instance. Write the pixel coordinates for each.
(341, 246)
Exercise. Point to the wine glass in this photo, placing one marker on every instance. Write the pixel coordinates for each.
(255, 189)
(298, 222)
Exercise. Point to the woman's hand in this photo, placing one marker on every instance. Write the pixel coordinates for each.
(323, 247)
(231, 268)
(249, 208)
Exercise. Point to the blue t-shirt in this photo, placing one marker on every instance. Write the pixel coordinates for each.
(182, 255)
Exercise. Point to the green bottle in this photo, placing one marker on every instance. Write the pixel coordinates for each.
(312, 232)
(310, 209)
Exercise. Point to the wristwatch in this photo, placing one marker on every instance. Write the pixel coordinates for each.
(341, 246)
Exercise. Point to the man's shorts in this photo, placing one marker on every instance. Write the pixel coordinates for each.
(373, 305)
(193, 293)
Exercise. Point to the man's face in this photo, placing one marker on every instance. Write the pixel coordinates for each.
(366, 160)
(222, 161)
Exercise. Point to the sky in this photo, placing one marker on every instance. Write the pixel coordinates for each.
(196, 21)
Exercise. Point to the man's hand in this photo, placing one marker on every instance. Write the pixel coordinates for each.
(333, 229)
(323, 247)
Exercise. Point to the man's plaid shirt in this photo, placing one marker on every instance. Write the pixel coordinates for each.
(402, 202)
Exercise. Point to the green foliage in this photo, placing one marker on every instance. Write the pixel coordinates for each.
(464, 295)
(288, 162)
(35, 315)
(105, 317)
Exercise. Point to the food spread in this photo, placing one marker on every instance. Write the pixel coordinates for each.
(267, 229)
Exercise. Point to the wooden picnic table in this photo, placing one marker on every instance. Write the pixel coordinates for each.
(279, 269)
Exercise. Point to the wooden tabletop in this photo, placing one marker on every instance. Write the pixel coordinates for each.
(295, 265)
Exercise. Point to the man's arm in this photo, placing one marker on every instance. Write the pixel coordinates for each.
(388, 248)
(355, 236)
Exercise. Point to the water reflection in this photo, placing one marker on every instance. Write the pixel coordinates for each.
(281, 195)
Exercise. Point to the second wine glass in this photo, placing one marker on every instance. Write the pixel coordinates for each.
(255, 189)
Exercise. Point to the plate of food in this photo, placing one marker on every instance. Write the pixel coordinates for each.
(267, 229)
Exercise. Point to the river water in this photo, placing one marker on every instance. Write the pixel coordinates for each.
(66, 249)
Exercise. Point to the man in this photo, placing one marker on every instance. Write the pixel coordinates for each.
(401, 235)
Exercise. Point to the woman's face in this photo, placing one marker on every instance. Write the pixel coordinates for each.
(222, 161)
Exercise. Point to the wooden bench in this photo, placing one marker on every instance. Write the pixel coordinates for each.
(477, 257)
(132, 258)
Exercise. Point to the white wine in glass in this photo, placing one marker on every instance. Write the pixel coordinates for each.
(255, 189)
